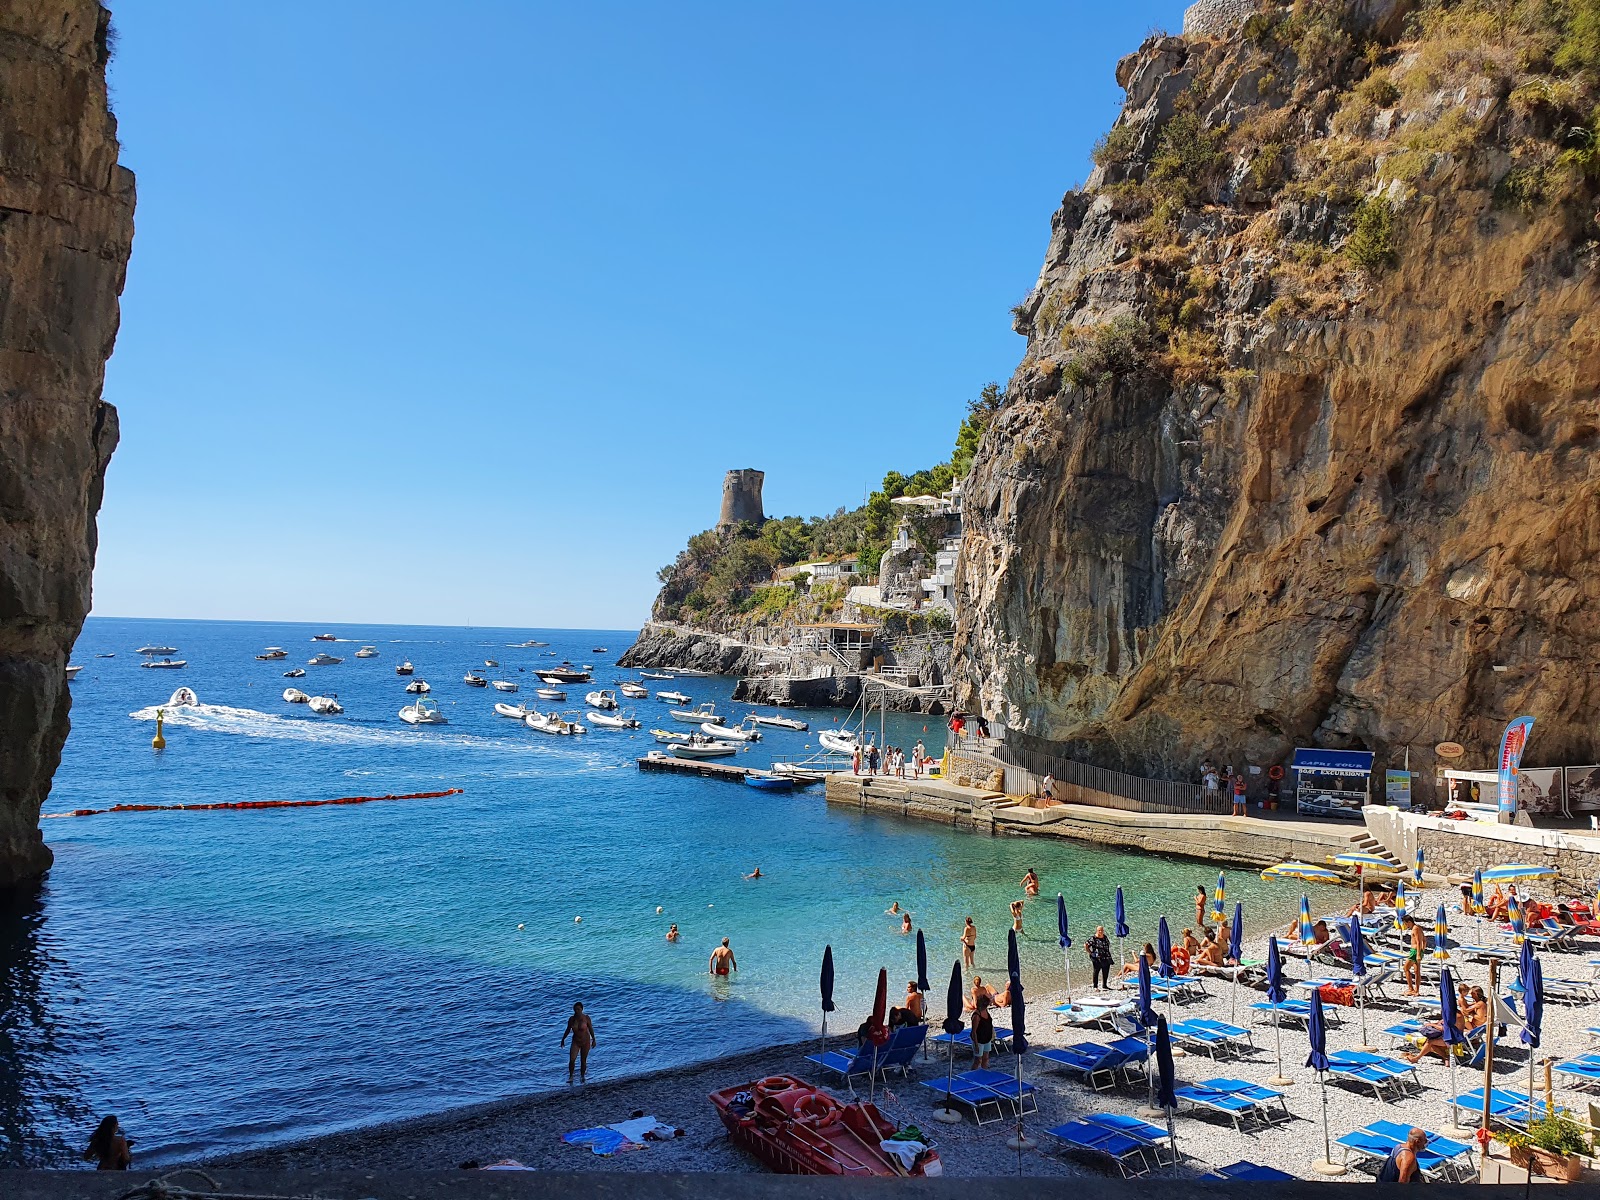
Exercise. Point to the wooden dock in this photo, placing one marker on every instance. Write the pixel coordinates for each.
(695, 766)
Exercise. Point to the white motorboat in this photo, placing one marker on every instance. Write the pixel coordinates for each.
(423, 712)
(566, 673)
(634, 691)
(183, 698)
(105, 655)
(158, 649)
(418, 687)
(324, 660)
(704, 748)
(599, 650)
(653, 675)
(72, 673)
(502, 685)
(326, 705)
(603, 699)
(367, 652)
(491, 662)
(838, 741)
(553, 723)
(779, 722)
(674, 697)
(550, 693)
(473, 679)
(706, 713)
(612, 721)
(517, 712)
(691, 673)
(529, 644)
(810, 770)
(738, 733)
(404, 668)
(296, 696)
(297, 673)
(166, 664)
(272, 652)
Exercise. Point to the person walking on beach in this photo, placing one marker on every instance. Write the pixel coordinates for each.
(1411, 968)
(581, 1030)
(969, 944)
(108, 1147)
(722, 960)
(982, 1034)
(1098, 948)
(1401, 1165)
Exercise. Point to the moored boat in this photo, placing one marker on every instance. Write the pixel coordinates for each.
(326, 705)
(796, 1129)
(272, 652)
(705, 714)
(502, 685)
(296, 696)
(418, 687)
(158, 650)
(166, 664)
(404, 668)
(699, 746)
(549, 693)
(473, 679)
(612, 721)
(736, 733)
(324, 660)
(634, 691)
(72, 673)
(771, 783)
(674, 697)
(423, 712)
(517, 712)
(565, 673)
(367, 652)
(605, 698)
(297, 673)
(838, 741)
(779, 722)
(553, 723)
(491, 662)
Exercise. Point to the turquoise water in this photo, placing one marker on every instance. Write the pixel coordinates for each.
(223, 980)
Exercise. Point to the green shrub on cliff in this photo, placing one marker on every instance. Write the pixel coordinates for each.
(1371, 243)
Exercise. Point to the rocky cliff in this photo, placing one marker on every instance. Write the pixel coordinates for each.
(1302, 446)
(66, 227)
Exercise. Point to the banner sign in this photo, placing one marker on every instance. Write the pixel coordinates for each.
(1512, 743)
(1397, 788)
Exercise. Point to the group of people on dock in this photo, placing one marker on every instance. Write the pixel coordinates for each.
(891, 760)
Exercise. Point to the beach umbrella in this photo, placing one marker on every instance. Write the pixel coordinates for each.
(1300, 870)
(877, 1026)
(1306, 935)
(1019, 1039)
(1448, 1016)
(1533, 1018)
(952, 1025)
(1358, 966)
(1511, 872)
(1275, 996)
(1477, 901)
(1441, 934)
(922, 964)
(1065, 938)
(1416, 870)
(1219, 898)
(1164, 949)
(1147, 1019)
(1402, 901)
(1236, 953)
(1121, 914)
(1518, 925)
(1363, 861)
(1317, 1060)
(827, 992)
(1166, 1096)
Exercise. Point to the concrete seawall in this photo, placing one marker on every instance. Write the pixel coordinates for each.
(1243, 841)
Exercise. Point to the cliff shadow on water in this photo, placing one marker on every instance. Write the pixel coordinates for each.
(1301, 450)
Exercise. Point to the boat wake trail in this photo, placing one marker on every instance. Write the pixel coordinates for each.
(247, 722)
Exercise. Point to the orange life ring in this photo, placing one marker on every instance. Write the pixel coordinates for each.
(816, 1107)
(1180, 961)
(773, 1084)
(1274, 772)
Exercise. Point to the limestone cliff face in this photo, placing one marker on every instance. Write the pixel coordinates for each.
(66, 227)
(1302, 448)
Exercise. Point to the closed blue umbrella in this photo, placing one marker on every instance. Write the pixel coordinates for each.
(827, 992)
(952, 1025)
(1164, 949)
(1449, 1015)
(1358, 966)
(922, 964)
(1145, 1011)
(1167, 1076)
(1121, 914)
(1533, 1010)
(1019, 1038)
(1275, 997)
(1065, 938)
(1525, 961)
(1013, 962)
(1236, 956)
(1317, 1060)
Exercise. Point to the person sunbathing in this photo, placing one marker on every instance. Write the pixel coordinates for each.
(980, 991)
(1468, 1016)
(1364, 906)
(1496, 907)
(1192, 943)
(1210, 953)
(1150, 957)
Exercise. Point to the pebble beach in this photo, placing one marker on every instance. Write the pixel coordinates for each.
(528, 1130)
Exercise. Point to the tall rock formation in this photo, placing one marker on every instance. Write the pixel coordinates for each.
(1303, 445)
(66, 228)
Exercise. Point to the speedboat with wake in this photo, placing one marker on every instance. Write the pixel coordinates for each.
(296, 696)
(423, 712)
(367, 652)
(553, 723)
(654, 675)
(418, 687)
(612, 721)
(779, 722)
(272, 652)
(605, 698)
(323, 637)
(183, 698)
(324, 660)
(502, 685)
(166, 664)
(326, 705)
(529, 644)
(517, 712)
(158, 650)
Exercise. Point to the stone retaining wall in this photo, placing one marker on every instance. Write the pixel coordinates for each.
(1460, 847)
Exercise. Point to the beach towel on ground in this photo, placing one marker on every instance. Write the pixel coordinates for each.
(603, 1140)
(1334, 994)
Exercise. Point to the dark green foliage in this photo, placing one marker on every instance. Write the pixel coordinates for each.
(1371, 243)
(1186, 157)
(1579, 51)
(1524, 188)
(1107, 352)
(1116, 147)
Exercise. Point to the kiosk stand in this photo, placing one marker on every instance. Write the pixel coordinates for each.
(1332, 783)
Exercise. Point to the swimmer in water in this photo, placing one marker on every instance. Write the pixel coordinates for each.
(1030, 882)
(722, 960)
(905, 922)
(1016, 915)
(894, 909)
(672, 932)
(756, 874)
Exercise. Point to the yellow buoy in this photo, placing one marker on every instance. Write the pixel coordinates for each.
(159, 742)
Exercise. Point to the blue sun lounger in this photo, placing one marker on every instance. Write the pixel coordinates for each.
(1021, 1098)
(1246, 1172)
(1237, 1100)
(964, 1093)
(902, 1049)
(1502, 1101)
(1216, 1038)
(1289, 1012)
(1584, 1073)
(1002, 1040)
(1379, 1072)
(1096, 1063)
(1442, 1157)
(1126, 1141)
(849, 1065)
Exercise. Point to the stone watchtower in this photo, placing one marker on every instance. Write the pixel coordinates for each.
(741, 498)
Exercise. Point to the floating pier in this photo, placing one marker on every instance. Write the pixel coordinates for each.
(696, 766)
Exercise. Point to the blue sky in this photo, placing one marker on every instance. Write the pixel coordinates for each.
(458, 313)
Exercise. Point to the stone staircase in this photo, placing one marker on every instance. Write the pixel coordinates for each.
(1367, 844)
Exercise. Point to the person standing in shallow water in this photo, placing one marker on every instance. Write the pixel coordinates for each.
(581, 1030)
(722, 960)
(108, 1148)
(969, 944)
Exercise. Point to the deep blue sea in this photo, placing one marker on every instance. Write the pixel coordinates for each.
(222, 980)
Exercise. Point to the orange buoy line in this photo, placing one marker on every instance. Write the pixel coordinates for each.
(249, 804)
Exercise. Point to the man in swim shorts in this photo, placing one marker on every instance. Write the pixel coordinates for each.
(722, 960)
(581, 1030)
